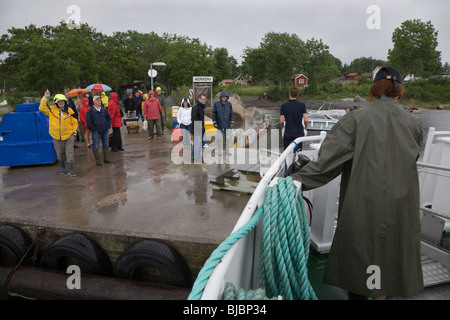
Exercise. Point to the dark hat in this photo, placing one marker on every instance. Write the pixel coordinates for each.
(389, 73)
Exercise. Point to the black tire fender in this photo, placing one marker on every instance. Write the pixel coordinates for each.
(16, 242)
(78, 246)
(155, 254)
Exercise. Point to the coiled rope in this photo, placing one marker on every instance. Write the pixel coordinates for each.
(284, 252)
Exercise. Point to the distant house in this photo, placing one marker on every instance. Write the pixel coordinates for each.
(299, 80)
(226, 82)
(353, 77)
(243, 80)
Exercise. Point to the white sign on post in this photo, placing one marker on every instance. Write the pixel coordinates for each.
(152, 73)
(203, 79)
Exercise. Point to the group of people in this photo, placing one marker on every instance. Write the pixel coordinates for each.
(152, 111)
(87, 116)
(191, 121)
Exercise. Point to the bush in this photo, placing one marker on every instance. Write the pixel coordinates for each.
(274, 93)
(18, 97)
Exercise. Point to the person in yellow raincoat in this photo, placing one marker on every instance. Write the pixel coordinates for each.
(63, 129)
(376, 247)
(105, 100)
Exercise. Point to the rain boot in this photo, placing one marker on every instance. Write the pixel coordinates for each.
(97, 158)
(63, 168)
(71, 173)
(105, 155)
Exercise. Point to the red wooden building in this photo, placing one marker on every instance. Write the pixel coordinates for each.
(353, 77)
(300, 80)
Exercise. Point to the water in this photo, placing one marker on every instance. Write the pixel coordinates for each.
(439, 119)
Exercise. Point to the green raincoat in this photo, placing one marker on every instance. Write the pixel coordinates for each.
(375, 149)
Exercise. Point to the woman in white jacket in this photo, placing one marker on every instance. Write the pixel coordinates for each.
(185, 122)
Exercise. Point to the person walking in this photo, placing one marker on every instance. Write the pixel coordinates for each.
(98, 121)
(185, 122)
(162, 101)
(222, 115)
(87, 133)
(116, 123)
(294, 114)
(63, 129)
(375, 150)
(198, 121)
(153, 112)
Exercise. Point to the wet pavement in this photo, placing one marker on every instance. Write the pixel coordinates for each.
(141, 194)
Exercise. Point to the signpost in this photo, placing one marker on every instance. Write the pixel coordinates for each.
(201, 85)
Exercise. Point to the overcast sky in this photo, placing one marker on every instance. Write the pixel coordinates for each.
(236, 24)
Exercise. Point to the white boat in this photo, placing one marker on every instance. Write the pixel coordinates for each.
(323, 120)
(238, 264)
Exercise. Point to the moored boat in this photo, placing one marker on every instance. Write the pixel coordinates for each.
(238, 265)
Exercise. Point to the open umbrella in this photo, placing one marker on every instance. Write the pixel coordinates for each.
(99, 87)
(74, 92)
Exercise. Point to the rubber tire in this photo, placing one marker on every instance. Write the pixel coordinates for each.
(17, 242)
(158, 255)
(80, 247)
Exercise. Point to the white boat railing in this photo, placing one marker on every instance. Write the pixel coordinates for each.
(225, 271)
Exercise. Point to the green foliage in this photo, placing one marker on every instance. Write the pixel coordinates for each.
(414, 51)
(362, 65)
(433, 89)
(276, 94)
(61, 57)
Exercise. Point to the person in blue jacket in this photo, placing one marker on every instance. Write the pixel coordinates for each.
(223, 119)
(98, 121)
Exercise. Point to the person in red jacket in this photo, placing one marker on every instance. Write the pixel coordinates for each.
(87, 133)
(116, 123)
(153, 112)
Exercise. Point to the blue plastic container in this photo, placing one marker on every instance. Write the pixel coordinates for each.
(24, 137)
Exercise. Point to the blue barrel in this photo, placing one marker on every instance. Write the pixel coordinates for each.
(24, 137)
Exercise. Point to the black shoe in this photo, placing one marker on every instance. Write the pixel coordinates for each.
(114, 150)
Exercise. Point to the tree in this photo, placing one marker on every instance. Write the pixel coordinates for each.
(284, 54)
(414, 51)
(319, 64)
(255, 64)
(222, 65)
(363, 64)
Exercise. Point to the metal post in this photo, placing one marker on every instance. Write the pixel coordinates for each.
(151, 71)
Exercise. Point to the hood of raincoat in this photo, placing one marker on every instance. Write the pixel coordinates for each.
(114, 97)
(182, 103)
(85, 102)
(224, 94)
(151, 95)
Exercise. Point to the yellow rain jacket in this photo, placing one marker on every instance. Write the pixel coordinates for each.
(105, 100)
(61, 125)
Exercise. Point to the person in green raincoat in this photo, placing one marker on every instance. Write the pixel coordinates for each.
(376, 246)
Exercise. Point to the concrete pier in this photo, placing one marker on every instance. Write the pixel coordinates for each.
(142, 194)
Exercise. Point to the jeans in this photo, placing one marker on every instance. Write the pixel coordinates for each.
(186, 134)
(96, 137)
